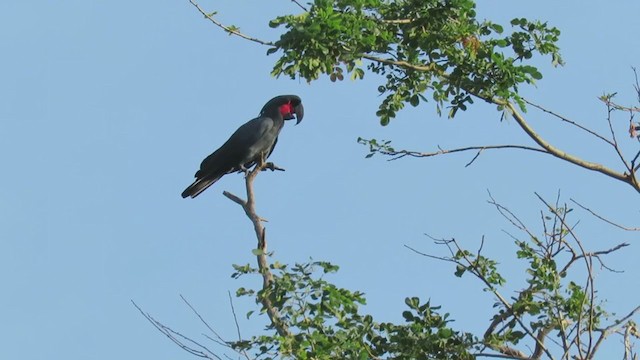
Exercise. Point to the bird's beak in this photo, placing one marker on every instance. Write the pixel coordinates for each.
(299, 109)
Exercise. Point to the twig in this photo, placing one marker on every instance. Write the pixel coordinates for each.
(402, 153)
(178, 338)
(299, 5)
(569, 121)
(626, 228)
(563, 155)
(228, 29)
(220, 340)
(235, 317)
(615, 141)
(615, 106)
(611, 328)
(429, 255)
(589, 282)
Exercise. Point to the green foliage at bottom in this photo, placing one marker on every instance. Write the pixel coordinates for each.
(325, 322)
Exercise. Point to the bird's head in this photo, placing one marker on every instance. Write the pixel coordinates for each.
(289, 106)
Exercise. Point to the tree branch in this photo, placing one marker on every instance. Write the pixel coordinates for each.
(230, 30)
(261, 254)
(402, 153)
(184, 342)
(611, 328)
(626, 228)
(569, 121)
(626, 178)
(548, 148)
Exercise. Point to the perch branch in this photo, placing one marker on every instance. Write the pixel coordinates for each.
(261, 254)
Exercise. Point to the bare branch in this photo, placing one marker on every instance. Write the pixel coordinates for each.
(429, 255)
(220, 340)
(187, 344)
(299, 5)
(263, 265)
(228, 29)
(235, 317)
(569, 122)
(615, 106)
(234, 198)
(402, 153)
(563, 155)
(626, 228)
(615, 141)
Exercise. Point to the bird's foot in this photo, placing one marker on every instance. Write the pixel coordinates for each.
(271, 166)
(244, 170)
(262, 219)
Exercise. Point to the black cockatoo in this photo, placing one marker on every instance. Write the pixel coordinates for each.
(251, 142)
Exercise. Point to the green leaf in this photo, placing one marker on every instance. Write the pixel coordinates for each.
(272, 50)
(414, 100)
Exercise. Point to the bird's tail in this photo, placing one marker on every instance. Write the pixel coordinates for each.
(199, 186)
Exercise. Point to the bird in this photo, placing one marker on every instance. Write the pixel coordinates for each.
(251, 143)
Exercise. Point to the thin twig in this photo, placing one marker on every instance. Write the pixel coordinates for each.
(626, 228)
(235, 317)
(220, 340)
(230, 30)
(611, 328)
(581, 127)
(589, 282)
(615, 141)
(402, 153)
(300, 5)
(178, 338)
(563, 155)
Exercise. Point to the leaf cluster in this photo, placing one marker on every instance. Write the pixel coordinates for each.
(418, 46)
(326, 322)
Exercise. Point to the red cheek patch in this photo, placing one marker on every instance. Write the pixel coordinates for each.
(286, 109)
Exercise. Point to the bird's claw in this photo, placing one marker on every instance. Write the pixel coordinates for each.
(271, 166)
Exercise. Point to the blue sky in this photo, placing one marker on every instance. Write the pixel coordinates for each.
(108, 107)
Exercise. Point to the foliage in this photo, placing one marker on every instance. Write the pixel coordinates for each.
(418, 46)
(325, 322)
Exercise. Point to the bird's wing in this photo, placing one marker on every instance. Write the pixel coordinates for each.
(229, 156)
